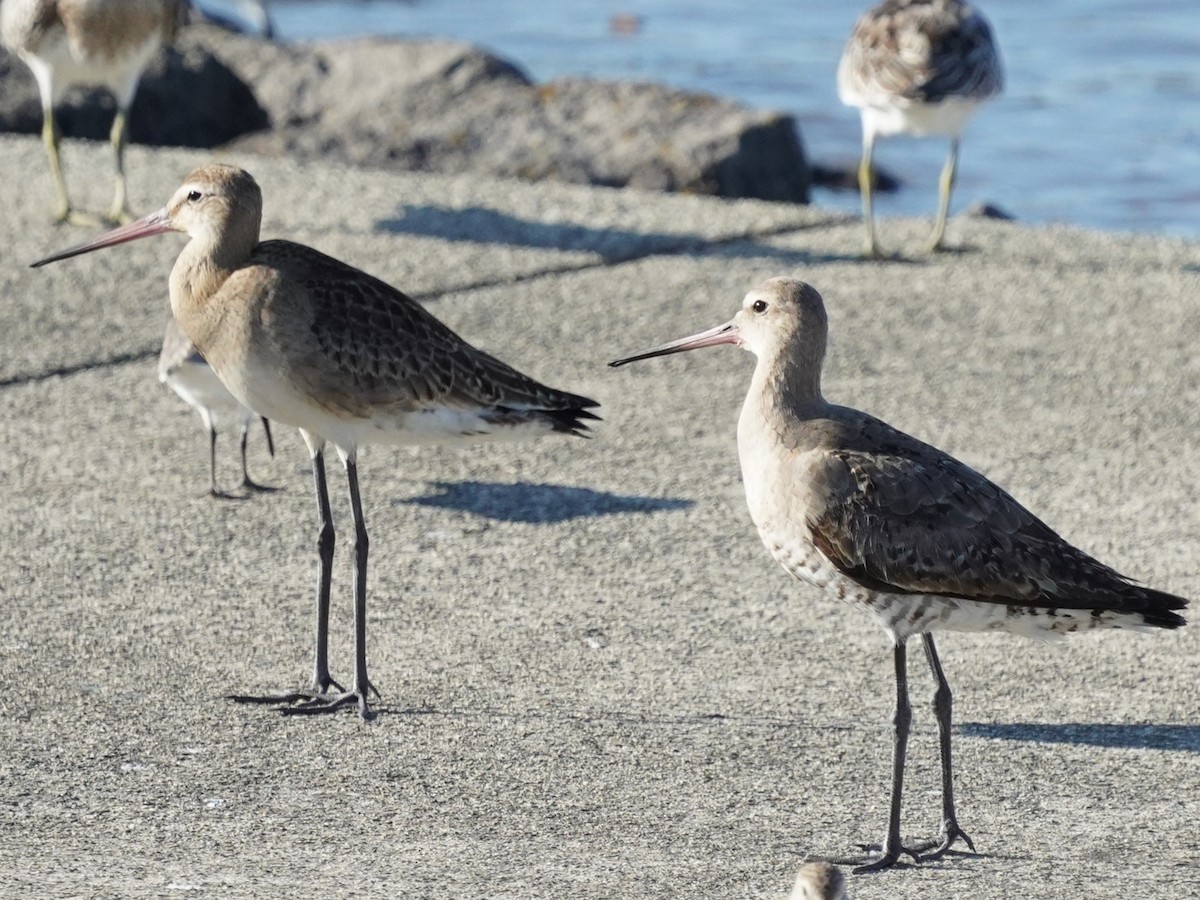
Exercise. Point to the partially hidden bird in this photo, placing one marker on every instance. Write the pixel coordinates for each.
(185, 371)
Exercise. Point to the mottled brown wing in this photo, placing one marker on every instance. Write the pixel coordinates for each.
(109, 30)
(385, 348)
(915, 521)
(963, 62)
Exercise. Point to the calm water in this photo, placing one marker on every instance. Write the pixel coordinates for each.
(1099, 124)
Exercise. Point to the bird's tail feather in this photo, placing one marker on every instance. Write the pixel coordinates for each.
(1159, 609)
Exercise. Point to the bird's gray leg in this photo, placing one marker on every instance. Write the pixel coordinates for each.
(866, 180)
(119, 212)
(247, 482)
(325, 540)
(211, 424)
(942, 705)
(212, 463)
(901, 722)
(945, 186)
(266, 424)
(321, 682)
(362, 685)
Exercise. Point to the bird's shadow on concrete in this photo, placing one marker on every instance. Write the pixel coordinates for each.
(536, 504)
(482, 225)
(1141, 737)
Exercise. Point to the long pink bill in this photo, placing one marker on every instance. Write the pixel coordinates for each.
(155, 223)
(722, 334)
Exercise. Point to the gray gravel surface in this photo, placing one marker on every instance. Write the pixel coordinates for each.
(595, 681)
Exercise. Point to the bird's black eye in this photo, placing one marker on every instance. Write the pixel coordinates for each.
(759, 306)
(193, 196)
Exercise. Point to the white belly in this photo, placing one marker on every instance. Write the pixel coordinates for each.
(945, 119)
(271, 396)
(57, 65)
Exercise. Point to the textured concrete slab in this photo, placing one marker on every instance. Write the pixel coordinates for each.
(595, 681)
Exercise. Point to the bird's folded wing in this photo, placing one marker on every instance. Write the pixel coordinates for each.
(370, 336)
(923, 523)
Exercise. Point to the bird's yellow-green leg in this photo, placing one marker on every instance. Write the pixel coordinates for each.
(119, 212)
(866, 181)
(50, 135)
(945, 186)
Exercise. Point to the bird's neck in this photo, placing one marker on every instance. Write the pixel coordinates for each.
(789, 383)
(781, 399)
(196, 281)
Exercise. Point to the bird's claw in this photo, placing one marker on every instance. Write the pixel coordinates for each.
(951, 834)
(70, 216)
(254, 487)
(331, 703)
(321, 686)
(888, 859)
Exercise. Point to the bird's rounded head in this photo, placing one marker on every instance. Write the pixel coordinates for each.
(217, 202)
(778, 313)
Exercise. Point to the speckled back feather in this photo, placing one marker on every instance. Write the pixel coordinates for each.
(905, 518)
(374, 346)
(96, 30)
(922, 51)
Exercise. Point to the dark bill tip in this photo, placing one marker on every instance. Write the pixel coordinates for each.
(722, 334)
(155, 223)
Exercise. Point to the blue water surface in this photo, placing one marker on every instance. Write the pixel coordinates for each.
(1099, 124)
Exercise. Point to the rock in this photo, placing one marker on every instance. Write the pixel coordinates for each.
(436, 106)
(450, 107)
(981, 209)
(187, 98)
(844, 177)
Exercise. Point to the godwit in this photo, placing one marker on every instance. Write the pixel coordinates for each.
(819, 881)
(105, 42)
(897, 527)
(183, 369)
(309, 341)
(919, 67)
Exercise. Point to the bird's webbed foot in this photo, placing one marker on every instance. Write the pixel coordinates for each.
(119, 215)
